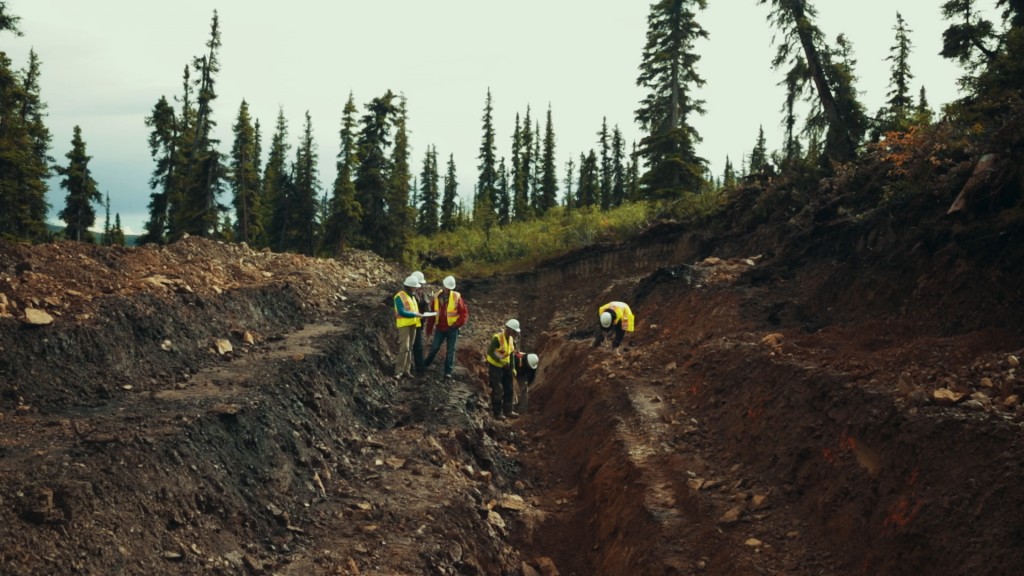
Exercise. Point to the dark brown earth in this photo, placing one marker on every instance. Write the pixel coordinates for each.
(809, 391)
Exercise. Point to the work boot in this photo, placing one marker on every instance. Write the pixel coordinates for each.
(511, 414)
(499, 416)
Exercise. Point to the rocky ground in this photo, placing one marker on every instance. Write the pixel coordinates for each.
(840, 402)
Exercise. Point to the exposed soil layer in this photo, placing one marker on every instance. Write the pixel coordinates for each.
(839, 402)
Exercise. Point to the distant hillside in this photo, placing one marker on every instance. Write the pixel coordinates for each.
(129, 239)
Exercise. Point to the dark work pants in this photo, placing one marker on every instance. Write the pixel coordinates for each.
(417, 351)
(500, 381)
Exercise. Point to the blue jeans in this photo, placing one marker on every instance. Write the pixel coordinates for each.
(449, 337)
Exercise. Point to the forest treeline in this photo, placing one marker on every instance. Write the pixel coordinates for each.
(263, 192)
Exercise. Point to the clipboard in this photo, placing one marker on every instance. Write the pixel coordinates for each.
(429, 314)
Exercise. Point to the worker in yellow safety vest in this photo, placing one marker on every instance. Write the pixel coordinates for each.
(500, 370)
(407, 319)
(617, 317)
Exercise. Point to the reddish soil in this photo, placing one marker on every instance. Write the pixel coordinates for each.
(803, 395)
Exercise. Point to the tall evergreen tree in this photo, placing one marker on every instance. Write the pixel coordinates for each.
(840, 70)
(82, 192)
(486, 199)
(204, 169)
(400, 214)
(618, 168)
(504, 200)
(729, 174)
(548, 177)
(519, 193)
(373, 169)
(245, 178)
(633, 174)
(801, 38)
(526, 159)
(900, 102)
(277, 185)
(605, 166)
(449, 213)
(304, 202)
(117, 231)
(668, 72)
(24, 146)
(163, 148)
(922, 112)
(589, 188)
(430, 194)
(569, 199)
(994, 58)
(177, 174)
(759, 155)
(345, 213)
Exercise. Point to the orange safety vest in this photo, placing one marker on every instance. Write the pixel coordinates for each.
(503, 354)
(410, 306)
(452, 310)
(620, 312)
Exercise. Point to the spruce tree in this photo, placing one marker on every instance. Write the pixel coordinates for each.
(24, 146)
(519, 193)
(345, 213)
(400, 215)
(922, 112)
(633, 174)
(486, 199)
(759, 155)
(618, 168)
(117, 232)
(449, 214)
(277, 184)
(524, 204)
(548, 177)
(82, 191)
(178, 215)
(371, 178)
(245, 179)
(569, 199)
(589, 188)
(430, 194)
(795, 20)
(204, 172)
(605, 167)
(304, 201)
(668, 72)
(163, 140)
(900, 102)
(504, 200)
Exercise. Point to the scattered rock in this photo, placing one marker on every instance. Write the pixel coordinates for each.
(36, 317)
(223, 346)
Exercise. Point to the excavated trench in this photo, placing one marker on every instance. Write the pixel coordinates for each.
(741, 431)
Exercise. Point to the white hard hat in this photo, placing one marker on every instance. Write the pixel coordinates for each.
(419, 276)
(412, 282)
(533, 359)
(449, 282)
(606, 319)
(512, 324)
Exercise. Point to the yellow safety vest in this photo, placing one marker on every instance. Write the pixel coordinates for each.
(620, 312)
(503, 354)
(410, 306)
(452, 310)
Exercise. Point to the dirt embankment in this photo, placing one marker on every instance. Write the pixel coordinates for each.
(845, 403)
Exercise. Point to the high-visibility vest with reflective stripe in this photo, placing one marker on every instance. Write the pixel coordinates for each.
(452, 310)
(503, 354)
(410, 306)
(620, 312)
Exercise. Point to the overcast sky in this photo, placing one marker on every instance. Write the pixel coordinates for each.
(105, 63)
